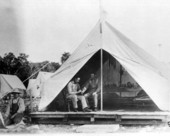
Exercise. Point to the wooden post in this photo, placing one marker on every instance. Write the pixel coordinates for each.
(92, 119)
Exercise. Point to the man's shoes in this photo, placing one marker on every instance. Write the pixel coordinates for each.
(75, 110)
(95, 109)
(86, 110)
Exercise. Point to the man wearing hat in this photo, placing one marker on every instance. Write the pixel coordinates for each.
(15, 109)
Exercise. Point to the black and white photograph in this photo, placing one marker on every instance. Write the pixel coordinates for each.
(84, 67)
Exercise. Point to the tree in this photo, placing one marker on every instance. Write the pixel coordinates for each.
(23, 69)
(43, 66)
(20, 66)
(65, 56)
(22, 62)
(51, 67)
(22, 58)
(1, 65)
(55, 65)
(10, 64)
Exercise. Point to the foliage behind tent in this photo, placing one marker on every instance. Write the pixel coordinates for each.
(20, 66)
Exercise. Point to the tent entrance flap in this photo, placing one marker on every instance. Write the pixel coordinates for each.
(120, 90)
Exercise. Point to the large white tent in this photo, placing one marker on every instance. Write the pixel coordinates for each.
(34, 85)
(149, 73)
(8, 83)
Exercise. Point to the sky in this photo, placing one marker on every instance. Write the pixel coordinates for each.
(44, 29)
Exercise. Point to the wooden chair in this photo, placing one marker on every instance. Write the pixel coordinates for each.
(68, 104)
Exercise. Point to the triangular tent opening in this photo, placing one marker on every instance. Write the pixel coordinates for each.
(120, 90)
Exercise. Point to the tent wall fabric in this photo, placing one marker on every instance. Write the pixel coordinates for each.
(32, 88)
(43, 76)
(8, 83)
(34, 85)
(143, 68)
(52, 87)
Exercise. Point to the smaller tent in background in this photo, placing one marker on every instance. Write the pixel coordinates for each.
(8, 83)
(43, 76)
(32, 88)
(34, 85)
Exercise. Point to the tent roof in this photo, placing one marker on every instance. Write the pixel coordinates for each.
(8, 83)
(13, 81)
(144, 68)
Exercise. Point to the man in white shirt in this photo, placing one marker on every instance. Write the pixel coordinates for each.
(75, 94)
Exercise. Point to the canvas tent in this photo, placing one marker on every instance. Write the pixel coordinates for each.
(104, 40)
(32, 88)
(8, 83)
(34, 85)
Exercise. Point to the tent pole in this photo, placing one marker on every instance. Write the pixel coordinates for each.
(101, 79)
(101, 62)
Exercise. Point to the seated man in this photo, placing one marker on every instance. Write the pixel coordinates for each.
(15, 109)
(74, 94)
(92, 85)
